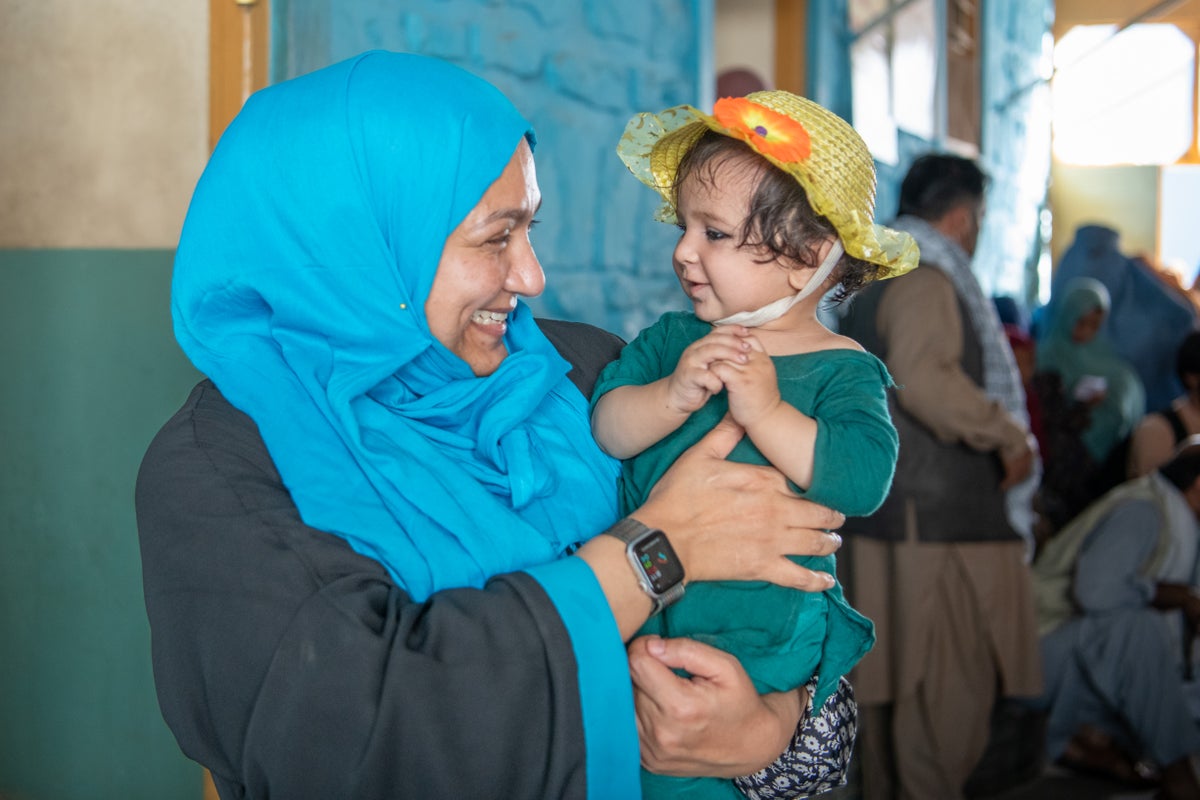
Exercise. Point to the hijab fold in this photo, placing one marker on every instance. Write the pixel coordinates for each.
(300, 283)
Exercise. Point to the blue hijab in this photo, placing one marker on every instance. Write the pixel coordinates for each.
(1124, 401)
(300, 282)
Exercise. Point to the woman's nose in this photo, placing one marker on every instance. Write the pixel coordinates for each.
(525, 275)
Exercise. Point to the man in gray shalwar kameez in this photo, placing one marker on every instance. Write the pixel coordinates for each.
(1117, 591)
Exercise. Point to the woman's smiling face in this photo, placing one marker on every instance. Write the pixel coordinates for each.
(486, 264)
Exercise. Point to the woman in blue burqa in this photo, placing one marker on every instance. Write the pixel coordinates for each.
(1147, 319)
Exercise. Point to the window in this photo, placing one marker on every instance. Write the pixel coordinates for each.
(907, 77)
(1123, 95)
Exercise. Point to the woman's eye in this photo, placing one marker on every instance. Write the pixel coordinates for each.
(502, 238)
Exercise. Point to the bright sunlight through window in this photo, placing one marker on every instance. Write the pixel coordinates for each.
(1123, 97)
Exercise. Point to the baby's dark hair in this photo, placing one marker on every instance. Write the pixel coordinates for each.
(781, 219)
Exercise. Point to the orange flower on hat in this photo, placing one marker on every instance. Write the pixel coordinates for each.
(769, 132)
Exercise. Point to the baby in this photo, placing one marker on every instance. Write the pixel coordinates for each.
(774, 198)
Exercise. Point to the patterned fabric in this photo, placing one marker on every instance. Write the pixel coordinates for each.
(1002, 380)
(818, 759)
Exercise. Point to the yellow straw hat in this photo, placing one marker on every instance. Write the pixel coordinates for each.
(807, 141)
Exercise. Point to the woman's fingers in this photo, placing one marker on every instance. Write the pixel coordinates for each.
(731, 521)
(711, 722)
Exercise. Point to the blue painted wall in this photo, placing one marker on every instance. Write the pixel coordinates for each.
(1016, 144)
(578, 71)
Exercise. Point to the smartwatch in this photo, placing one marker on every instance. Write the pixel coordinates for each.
(659, 570)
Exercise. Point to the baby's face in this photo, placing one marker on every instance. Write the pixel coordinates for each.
(719, 274)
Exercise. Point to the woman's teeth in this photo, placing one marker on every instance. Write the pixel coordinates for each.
(488, 317)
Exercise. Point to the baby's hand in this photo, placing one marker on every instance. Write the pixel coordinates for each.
(693, 381)
(752, 384)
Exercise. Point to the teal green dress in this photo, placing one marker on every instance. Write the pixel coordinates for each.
(783, 637)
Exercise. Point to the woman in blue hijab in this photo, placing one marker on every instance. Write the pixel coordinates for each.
(1147, 319)
(369, 538)
(1091, 370)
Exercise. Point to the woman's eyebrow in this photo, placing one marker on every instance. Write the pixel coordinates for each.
(514, 214)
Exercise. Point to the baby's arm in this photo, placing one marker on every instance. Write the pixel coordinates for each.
(630, 418)
(782, 433)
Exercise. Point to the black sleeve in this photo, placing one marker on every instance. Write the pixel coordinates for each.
(292, 667)
(588, 348)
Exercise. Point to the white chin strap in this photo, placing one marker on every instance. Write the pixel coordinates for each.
(775, 310)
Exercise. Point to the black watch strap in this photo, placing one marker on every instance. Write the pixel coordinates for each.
(655, 563)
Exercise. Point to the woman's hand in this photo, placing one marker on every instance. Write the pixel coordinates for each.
(711, 724)
(730, 521)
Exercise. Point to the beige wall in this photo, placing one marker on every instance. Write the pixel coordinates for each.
(103, 114)
(745, 36)
(1122, 198)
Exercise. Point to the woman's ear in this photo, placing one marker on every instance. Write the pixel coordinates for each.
(799, 275)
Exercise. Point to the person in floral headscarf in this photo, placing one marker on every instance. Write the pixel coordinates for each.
(773, 196)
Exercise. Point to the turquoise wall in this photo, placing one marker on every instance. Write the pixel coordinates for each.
(578, 71)
(91, 371)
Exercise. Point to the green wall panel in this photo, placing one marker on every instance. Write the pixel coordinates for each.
(90, 371)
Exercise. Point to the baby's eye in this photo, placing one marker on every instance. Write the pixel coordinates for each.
(713, 235)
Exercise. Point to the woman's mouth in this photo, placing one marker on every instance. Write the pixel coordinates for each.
(485, 317)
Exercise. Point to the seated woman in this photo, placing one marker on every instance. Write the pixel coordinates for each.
(1159, 433)
(1080, 373)
(368, 541)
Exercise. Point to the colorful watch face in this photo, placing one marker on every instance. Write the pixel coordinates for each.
(658, 561)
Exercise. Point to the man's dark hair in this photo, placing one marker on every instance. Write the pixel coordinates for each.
(1184, 468)
(938, 182)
